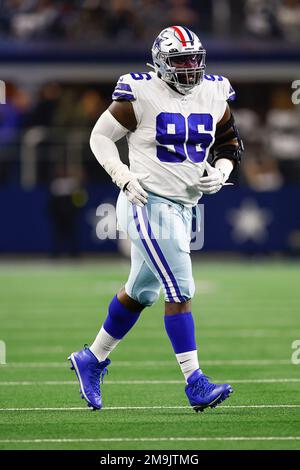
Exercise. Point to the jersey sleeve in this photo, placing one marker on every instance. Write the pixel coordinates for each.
(225, 94)
(229, 93)
(126, 89)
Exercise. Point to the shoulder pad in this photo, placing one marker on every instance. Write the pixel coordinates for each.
(124, 90)
(127, 85)
(223, 86)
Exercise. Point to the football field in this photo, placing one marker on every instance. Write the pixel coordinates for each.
(246, 315)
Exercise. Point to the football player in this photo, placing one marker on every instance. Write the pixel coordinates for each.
(171, 117)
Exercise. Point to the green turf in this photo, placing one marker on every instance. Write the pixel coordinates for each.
(246, 314)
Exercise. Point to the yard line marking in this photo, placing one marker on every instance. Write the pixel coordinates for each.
(257, 334)
(152, 331)
(217, 362)
(45, 382)
(151, 439)
(145, 382)
(158, 407)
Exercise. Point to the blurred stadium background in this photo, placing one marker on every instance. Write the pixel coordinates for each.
(60, 61)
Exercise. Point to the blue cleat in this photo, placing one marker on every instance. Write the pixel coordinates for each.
(203, 394)
(89, 371)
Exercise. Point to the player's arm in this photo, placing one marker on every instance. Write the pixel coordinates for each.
(123, 112)
(228, 149)
(112, 125)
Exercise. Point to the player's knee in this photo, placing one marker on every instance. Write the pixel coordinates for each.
(146, 297)
(191, 289)
(184, 292)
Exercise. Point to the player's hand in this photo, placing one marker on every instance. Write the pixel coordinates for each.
(135, 193)
(213, 182)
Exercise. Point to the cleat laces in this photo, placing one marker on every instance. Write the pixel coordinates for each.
(97, 373)
(202, 386)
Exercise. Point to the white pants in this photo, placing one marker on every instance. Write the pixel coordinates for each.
(160, 235)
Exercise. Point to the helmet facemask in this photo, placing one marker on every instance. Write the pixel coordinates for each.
(183, 70)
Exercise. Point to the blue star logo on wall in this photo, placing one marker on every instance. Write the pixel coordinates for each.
(249, 222)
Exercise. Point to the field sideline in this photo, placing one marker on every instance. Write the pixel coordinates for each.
(246, 315)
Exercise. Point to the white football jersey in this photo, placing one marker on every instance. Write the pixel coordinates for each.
(174, 132)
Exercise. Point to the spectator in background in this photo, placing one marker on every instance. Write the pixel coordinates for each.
(181, 12)
(289, 19)
(42, 119)
(38, 21)
(151, 14)
(273, 19)
(63, 211)
(63, 112)
(260, 170)
(12, 116)
(46, 103)
(122, 21)
(73, 116)
(283, 134)
(261, 18)
(10, 8)
(90, 106)
(87, 22)
(117, 21)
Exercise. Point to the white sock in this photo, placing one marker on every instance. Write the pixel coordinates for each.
(188, 362)
(103, 345)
